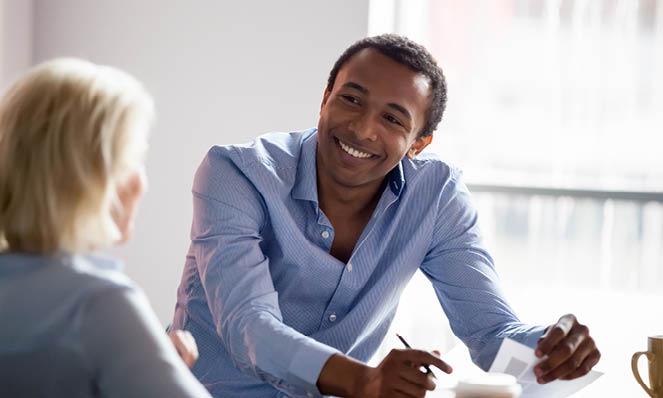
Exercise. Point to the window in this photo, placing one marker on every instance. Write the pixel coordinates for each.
(555, 113)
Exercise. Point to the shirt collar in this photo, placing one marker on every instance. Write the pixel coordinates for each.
(396, 179)
(306, 186)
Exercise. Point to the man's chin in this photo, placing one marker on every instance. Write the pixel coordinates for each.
(351, 181)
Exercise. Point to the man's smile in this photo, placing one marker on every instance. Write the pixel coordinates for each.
(354, 152)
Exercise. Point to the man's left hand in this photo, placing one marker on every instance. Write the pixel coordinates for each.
(571, 351)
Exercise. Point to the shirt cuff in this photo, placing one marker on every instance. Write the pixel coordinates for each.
(306, 365)
(531, 339)
(524, 334)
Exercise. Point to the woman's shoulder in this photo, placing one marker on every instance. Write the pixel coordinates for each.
(42, 283)
(44, 295)
(99, 272)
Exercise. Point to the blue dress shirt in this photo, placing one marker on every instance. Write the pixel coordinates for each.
(267, 302)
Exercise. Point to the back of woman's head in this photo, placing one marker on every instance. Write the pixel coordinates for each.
(70, 132)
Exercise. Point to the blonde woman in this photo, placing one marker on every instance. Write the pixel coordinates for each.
(73, 137)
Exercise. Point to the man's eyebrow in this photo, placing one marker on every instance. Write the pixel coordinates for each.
(356, 86)
(401, 110)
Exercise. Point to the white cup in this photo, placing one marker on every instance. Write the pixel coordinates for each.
(489, 385)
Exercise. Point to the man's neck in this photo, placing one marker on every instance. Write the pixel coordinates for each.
(335, 198)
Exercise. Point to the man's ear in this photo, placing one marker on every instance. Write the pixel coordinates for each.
(325, 96)
(418, 146)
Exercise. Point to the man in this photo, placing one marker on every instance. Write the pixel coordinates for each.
(303, 242)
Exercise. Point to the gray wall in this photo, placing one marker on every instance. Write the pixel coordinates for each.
(221, 72)
(15, 39)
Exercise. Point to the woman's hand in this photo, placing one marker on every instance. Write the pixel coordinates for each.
(185, 345)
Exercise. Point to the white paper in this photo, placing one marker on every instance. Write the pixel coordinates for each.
(519, 360)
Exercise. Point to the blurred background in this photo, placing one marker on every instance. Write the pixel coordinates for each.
(555, 115)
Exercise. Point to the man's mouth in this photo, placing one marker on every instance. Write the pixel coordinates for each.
(354, 152)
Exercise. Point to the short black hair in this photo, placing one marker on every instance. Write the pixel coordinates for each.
(414, 56)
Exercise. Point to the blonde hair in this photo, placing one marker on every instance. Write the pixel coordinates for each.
(70, 132)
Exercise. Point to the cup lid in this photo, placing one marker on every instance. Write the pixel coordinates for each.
(489, 383)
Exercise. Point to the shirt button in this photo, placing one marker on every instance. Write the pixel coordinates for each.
(349, 267)
(325, 234)
(332, 317)
(310, 394)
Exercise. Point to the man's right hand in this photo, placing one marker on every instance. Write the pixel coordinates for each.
(398, 375)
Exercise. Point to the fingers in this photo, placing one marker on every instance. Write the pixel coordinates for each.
(568, 365)
(564, 349)
(410, 390)
(413, 382)
(401, 394)
(585, 367)
(418, 378)
(185, 345)
(555, 334)
(573, 355)
(401, 373)
(420, 358)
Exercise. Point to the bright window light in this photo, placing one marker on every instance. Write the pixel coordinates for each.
(555, 115)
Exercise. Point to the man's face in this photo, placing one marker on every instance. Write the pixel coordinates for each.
(370, 120)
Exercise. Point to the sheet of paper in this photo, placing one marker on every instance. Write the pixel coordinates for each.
(519, 360)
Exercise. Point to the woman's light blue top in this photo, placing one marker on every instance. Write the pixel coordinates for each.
(75, 326)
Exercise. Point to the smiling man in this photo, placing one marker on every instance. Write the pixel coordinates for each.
(302, 243)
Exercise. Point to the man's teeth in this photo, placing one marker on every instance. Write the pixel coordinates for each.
(354, 152)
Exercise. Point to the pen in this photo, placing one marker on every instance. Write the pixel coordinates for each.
(408, 346)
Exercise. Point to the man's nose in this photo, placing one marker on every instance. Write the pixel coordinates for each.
(364, 127)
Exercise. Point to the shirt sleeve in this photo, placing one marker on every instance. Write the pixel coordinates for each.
(465, 282)
(229, 216)
(128, 351)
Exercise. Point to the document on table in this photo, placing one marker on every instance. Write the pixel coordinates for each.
(519, 360)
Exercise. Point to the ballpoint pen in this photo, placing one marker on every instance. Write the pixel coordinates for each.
(408, 346)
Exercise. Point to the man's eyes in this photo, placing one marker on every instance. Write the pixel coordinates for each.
(351, 99)
(393, 120)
